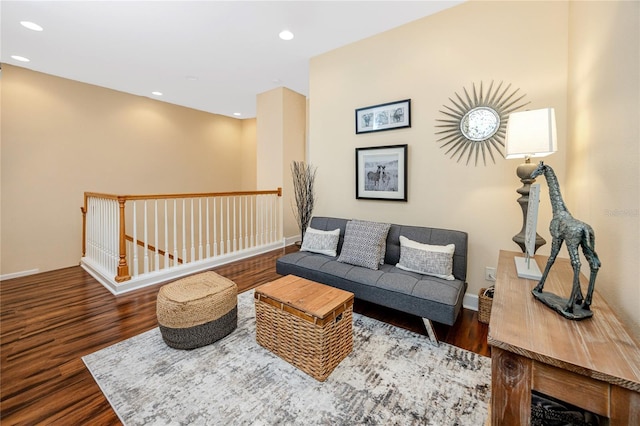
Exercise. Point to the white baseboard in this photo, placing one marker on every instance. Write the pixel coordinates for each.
(156, 277)
(290, 240)
(470, 301)
(19, 274)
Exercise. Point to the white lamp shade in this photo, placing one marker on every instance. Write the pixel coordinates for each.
(531, 133)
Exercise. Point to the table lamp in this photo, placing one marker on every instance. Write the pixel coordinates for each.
(530, 134)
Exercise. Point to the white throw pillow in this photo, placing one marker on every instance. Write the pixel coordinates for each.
(363, 243)
(426, 259)
(323, 242)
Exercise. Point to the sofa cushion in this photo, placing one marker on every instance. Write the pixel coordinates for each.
(322, 242)
(363, 243)
(426, 259)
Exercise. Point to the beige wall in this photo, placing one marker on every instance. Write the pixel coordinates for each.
(281, 127)
(528, 45)
(61, 138)
(524, 44)
(249, 155)
(604, 142)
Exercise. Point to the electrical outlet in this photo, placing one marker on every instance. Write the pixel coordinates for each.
(489, 273)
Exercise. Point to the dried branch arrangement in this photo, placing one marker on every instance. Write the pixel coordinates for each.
(303, 176)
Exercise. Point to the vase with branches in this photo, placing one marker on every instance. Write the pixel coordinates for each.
(303, 175)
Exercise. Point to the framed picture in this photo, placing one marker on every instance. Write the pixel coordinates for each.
(381, 173)
(393, 115)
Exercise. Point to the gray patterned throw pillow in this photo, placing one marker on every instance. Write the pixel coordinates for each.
(363, 243)
(426, 259)
(323, 242)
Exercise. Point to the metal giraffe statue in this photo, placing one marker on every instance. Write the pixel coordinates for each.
(565, 228)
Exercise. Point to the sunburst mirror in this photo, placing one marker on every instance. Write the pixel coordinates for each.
(476, 123)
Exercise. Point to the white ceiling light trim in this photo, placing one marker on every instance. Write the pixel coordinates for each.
(156, 93)
(20, 58)
(31, 25)
(286, 35)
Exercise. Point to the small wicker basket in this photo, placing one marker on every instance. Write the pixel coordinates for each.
(484, 306)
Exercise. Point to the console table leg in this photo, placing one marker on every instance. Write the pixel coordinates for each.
(625, 406)
(510, 388)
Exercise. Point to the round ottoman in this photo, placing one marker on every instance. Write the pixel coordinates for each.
(198, 310)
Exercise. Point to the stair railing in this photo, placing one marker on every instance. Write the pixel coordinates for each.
(130, 241)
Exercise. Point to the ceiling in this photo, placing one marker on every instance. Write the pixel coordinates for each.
(214, 56)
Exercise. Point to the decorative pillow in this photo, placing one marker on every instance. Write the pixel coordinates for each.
(426, 259)
(363, 243)
(323, 242)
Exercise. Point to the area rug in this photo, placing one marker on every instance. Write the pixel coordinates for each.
(392, 377)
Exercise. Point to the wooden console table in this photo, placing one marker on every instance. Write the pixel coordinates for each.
(593, 364)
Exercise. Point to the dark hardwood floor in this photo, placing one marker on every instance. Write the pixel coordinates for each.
(50, 320)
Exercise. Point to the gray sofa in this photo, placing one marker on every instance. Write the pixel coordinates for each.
(432, 299)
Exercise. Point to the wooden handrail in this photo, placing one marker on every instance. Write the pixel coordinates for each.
(152, 248)
(277, 192)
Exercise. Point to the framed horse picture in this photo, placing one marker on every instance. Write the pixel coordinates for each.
(381, 173)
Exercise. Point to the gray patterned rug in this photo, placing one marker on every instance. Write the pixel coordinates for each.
(392, 377)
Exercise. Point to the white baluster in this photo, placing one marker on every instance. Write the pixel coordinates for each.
(166, 235)
(240, 222)
(193, 247)
(135, 239)
(200, 228)
(215, 229)
(184, 233)
(262, 219)
(107, 236)
(228, 231)
(246, 219)
(274, 223)
(253, 219)
(269, 219)
(103, 247)
(235, 247)
(146, 240)
(208, 230)
(175, 232)
(99, 258)
(156, 241)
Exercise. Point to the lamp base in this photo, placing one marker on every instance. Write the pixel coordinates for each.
(524, 171)
(527, 268)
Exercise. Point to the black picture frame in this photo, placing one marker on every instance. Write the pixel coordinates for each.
(381, 173)
(389, 116)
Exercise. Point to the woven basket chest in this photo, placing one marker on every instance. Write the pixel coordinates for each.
(305, 323)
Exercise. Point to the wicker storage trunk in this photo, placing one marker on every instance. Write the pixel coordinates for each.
(289, 324)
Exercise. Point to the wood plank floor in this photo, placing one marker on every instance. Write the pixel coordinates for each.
(50, 320)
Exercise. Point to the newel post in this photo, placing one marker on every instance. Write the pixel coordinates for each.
(123, 268)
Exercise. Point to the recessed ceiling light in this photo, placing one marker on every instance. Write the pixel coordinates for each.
(31, 25)
(157, 93)
(20, 58)
(237, 114)
(286, 35)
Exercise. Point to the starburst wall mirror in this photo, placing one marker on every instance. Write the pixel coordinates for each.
(476, 123)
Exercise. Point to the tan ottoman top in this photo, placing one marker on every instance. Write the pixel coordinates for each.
(195, 300)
